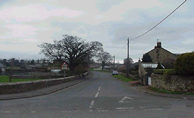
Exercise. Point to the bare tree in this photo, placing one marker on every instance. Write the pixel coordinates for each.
(70, 49)
(104, 58)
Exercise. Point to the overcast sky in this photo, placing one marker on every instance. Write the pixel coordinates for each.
(24, 24)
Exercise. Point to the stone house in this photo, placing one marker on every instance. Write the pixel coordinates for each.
(161, 55)
(157, 55)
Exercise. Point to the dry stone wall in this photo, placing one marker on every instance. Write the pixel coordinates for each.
(173, 82)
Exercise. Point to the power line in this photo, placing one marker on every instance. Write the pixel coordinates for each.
(159, 22)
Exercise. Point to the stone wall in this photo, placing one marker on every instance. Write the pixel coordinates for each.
(173, 82)
(8, 88)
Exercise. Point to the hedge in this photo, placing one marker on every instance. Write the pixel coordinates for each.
(165, 71)
(185, 64)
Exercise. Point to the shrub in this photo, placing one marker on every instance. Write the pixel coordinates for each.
(185, 64)
(165, 71)
(169, 63)
(79, 69)
(158, 71)
(170, 71)
(146, 58)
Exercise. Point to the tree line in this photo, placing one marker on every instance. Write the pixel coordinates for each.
(74, 51)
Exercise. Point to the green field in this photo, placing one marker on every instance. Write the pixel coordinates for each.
(4, 79)
(123, 78)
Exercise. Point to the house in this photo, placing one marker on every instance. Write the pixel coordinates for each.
(161, 55)
(151, 61)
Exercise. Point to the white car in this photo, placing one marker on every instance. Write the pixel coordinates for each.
(114, 72)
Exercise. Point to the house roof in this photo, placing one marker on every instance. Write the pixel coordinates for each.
(162, 49)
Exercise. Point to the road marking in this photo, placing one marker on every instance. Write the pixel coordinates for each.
(124, 108)
(101, 110)
(33, 111)
(70, 111)
(6, 111)
(99, 88)
(97, 94)
(124, 99)
(91, 104)
(153, 109)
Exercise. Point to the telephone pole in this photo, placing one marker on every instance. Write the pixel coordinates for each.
(114, 62)
(128, 57)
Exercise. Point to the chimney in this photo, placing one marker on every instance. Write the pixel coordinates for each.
(159, 45)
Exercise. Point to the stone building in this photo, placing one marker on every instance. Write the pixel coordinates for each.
(161, 55)
(157, 55)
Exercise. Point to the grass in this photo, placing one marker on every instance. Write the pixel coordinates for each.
(169, 92)
(123, 78)
(4, 79)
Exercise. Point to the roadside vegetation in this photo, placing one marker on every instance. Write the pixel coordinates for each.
(165, 71)
(4, 79)
(76, 53)
(183, 66)
(123, 78)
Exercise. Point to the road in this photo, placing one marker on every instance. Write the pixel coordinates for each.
(102, 96)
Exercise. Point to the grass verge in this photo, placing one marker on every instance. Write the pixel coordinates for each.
(4, 79)
(170, 92)
(123, 78)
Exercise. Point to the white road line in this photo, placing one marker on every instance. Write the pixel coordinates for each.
(122, 108)
(92, 104)
(6, 111)
(124, 99)
(33, 111)
(153, 109)
(97, 94)
(99, 88)
(102, 110)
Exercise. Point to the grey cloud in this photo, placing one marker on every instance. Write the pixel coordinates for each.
(176, 34)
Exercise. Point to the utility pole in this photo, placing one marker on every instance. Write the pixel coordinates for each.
(114, 63)
(128, 57)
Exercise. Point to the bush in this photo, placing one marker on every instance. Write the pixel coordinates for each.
(165, 71)
(158, 71)
(80, 69)
(146, 58)
(185, 64)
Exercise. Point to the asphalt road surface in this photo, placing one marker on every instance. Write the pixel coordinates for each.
(102, 96)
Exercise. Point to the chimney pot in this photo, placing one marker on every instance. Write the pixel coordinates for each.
(159, 45)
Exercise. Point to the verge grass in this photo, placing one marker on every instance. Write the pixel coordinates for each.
(123, 78)
(4, 79)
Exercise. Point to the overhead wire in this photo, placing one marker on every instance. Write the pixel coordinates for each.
(158, 23)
